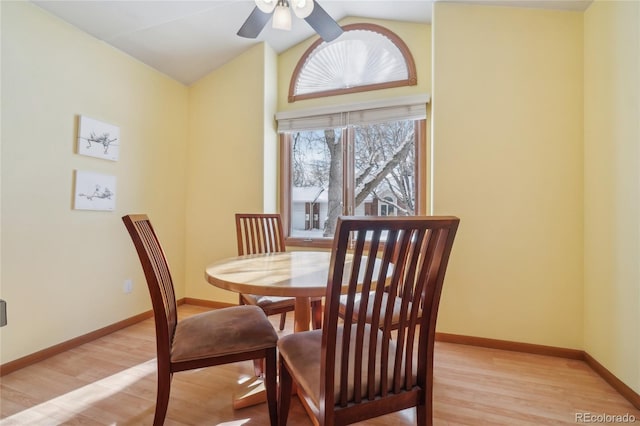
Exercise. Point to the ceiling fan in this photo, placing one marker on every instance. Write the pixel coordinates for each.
(309, 10)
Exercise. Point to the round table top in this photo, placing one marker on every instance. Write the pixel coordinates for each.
(287, 274)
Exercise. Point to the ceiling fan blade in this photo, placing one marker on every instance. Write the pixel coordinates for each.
(254, 23)
(323, 23)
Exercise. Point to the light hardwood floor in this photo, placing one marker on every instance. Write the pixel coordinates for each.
(111, 381)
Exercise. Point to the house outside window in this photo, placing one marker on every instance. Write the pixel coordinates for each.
(387, 207)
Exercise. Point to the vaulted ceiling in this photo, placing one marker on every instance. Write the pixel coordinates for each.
(186, 40)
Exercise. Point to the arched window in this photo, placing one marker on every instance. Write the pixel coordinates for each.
(365, 57)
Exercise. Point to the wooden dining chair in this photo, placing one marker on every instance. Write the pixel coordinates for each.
(220, 336)
(349, 370)
(258, 233)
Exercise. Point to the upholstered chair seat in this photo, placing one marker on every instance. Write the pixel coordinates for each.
(270, 302)
(397, 307)
(302, 355)
(195, 338)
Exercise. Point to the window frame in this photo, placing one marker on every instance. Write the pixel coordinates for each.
(348, 190)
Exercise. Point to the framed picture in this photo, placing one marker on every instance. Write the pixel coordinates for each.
(94, 191)
(98, 139)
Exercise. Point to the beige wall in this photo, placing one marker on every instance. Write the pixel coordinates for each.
(271, 140)
(62, 269)
(230, 130)
(612, 187)
(507, 136)
(418, 40)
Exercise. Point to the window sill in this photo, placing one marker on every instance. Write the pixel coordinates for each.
(325, 243)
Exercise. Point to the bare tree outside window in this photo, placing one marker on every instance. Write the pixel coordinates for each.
(382, 164)
(385, 165)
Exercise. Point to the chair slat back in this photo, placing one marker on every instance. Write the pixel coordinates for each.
(259, 233)
(408, 256)
(159, 282)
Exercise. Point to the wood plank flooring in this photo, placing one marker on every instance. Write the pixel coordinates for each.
(111, 381)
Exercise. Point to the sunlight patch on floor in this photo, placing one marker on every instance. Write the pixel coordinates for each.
(234, 423)
(81, 399)
(244, 379)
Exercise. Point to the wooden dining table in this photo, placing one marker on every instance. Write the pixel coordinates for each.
(299, 274)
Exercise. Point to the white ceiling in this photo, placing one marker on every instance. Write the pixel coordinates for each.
(186, 39)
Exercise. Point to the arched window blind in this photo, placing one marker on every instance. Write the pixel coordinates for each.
(364, 57)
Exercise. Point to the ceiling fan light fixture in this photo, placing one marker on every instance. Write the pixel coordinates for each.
(282, 16)
(266, 6)
(309, 10)
(302, 8)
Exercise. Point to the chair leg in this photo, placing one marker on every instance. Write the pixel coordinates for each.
(258, 367)
(283, 318)
(162, 398)
(422, 417)
(424, 409)
(284, 394)
(316, 314)
(270, 383)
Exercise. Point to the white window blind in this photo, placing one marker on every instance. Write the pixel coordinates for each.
(408, 108)
(381, 115)
(313, 122)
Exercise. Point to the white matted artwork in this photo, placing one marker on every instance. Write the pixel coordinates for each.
(98, 139)
(94, 191)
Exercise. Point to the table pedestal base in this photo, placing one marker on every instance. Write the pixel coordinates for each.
(252, 392)
(302, 314)
(248, 393)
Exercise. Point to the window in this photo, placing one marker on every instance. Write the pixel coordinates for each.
(386, 208)
(365, 57)
(365, 159)
(356, 162)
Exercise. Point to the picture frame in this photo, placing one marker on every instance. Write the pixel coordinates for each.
(94, 191)
(98, 139)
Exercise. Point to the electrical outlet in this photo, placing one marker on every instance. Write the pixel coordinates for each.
(3, 313)
(128, 286)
